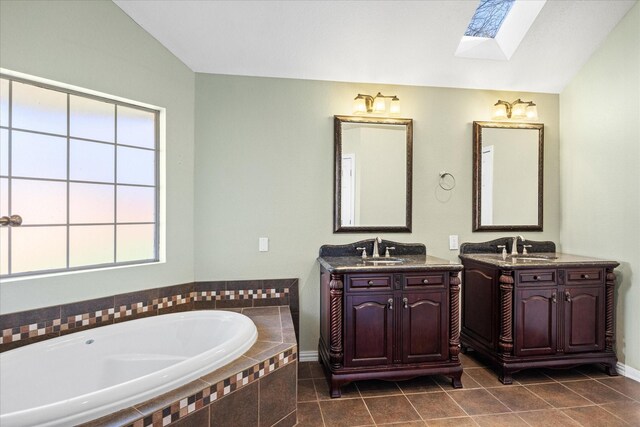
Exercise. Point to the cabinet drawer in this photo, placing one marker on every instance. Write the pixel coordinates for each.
(370, 282)
(584, 276)
(413, 281)
(537, 277)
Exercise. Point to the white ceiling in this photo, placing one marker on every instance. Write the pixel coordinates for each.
(394, 42)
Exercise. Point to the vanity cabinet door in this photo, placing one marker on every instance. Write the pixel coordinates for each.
(536, 321)
(424, 326)
(583, 318)
(369, 329)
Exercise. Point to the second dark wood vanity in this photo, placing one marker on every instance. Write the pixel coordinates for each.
(387, 320)
(537, 310)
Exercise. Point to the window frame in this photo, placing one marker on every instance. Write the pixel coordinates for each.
(159, 152)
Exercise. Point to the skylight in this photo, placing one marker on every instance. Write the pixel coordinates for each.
(497, 28)
(488, 18)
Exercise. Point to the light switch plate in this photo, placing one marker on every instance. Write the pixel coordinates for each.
(263, 244)
(453, 242)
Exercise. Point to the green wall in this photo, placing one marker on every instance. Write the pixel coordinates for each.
(600, 173)
(93, 44)
(264, 168)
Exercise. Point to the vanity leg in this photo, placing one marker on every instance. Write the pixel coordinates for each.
(610, 369)
(505, 377)
(456, 380)
(334, 389)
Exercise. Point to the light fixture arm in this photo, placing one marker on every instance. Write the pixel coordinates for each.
(369, 100)
(509, 105)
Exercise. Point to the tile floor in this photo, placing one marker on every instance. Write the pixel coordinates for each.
(547, 398)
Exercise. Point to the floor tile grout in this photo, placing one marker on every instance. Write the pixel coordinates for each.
(399, 391)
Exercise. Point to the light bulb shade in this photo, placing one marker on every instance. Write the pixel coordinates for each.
(532, 112)
(359, 105)
(499, 111)
(394, 108)
(519, 111)
(379, 104)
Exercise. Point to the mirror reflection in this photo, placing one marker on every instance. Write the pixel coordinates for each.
(373, 174)
(508, 165)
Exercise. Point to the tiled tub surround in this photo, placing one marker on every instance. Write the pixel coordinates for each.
(257, 389)
(31, 326)
(263, 379)
(84, 376)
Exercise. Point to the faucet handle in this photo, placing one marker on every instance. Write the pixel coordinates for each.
(386, 252)
(524, 249)
(504, 250)
(364, 252)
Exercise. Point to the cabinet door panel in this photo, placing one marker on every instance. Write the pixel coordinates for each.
(424, 327)
(583, 319)
(368, 330)
(536, 321)
(478, 306)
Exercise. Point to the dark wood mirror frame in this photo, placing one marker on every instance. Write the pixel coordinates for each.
(477, 170)
(337, 127)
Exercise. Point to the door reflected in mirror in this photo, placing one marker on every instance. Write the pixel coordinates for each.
(508, 174)
(373, 174)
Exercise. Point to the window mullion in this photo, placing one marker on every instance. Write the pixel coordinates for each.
(9, 174)
(68, 179)
(115, 188)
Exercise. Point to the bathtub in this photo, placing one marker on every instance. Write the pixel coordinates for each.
(85, 375)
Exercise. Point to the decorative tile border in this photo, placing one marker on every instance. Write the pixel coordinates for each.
(106, 310)
(29, 331)
(105, 316)
(188, 405)
(240, 294)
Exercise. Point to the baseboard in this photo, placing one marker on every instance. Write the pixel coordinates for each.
(308, 356)
(628, 371)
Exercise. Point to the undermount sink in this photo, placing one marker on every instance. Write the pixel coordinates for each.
(385, 260)
(532, 257)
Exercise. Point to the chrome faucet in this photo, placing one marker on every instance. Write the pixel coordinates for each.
(514, 245)
(376, 253)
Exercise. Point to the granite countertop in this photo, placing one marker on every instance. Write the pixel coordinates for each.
(538, 259)
(355, 264)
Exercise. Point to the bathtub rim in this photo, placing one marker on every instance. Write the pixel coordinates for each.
(42, 415)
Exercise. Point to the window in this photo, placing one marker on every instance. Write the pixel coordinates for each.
(487, 19)
(82, 172)
(497, 28)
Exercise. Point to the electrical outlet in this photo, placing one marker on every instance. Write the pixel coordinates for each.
(453, 242)
(263, 244)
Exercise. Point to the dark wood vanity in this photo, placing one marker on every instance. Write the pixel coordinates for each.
(387, 320)
(537, 310)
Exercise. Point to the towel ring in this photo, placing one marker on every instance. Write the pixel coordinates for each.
(447, 184)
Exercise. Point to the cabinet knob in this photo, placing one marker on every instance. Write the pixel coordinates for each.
(567, 296)
(535, 277)
(585, 276)
(554, 298)
(390, 301)
(405, 301)
(370, 282)
(425, 281)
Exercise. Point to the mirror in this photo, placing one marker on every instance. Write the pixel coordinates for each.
(507, 176)
(373, 166)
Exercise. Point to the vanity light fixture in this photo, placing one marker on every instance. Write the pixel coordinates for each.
(517, 109)
(375, 104)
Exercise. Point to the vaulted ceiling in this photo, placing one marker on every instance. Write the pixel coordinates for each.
(394, 42)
